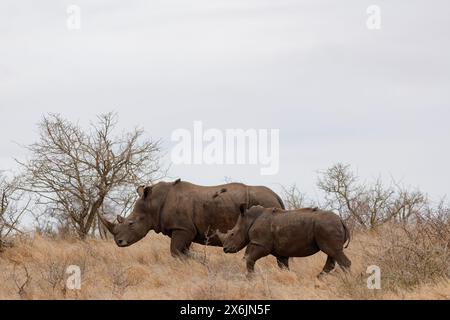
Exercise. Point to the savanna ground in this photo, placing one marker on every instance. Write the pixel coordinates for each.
(35, 268)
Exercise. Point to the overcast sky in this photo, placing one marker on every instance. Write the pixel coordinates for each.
(339, 92)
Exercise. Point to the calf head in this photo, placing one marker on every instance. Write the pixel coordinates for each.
(237, 238)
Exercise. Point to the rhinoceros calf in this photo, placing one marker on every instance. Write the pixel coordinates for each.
(187, 212)
(294, 233)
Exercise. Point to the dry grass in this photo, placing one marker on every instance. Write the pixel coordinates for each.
(35, 269)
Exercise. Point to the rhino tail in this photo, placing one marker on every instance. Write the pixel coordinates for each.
(347, 235)
(281, 202)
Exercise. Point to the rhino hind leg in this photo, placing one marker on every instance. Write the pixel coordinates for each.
(334, 248)
(330, 265)
(180, 243)
(343, 261)
(283, 262)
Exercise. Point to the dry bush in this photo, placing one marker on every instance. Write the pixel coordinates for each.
(368, 204)
(293, 198)
(411, 255)
(14, 203)
(22, 281)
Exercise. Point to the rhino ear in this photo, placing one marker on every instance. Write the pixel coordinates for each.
(140, 191)
(120, 219)
(143, 191)
(243, 208)
(176, 181)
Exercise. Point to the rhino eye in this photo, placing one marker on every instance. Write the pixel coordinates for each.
(130, 223)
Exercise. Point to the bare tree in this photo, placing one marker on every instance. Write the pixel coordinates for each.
(294, 198)
(13, 205)
(368, 204)
(75, 171)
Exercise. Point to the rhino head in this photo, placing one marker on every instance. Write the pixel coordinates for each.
(143, 218)
(133, 228)
(237, 238)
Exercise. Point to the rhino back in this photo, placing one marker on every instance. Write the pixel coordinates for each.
(294, 233)
(265, 197)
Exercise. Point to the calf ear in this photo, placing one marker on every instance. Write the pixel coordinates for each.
(243, 208)
(177, 181)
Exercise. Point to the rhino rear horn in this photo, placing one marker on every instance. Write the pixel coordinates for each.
(109, 225)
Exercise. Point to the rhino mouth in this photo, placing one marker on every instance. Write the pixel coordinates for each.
(122, 243)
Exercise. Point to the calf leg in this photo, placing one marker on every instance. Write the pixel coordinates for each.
(283, 262)
(253, 253)
(329, 266)
(336, 251)
(343, 261)
(180, 243)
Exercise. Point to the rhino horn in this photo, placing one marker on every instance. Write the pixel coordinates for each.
(109, 225)
(221, 236)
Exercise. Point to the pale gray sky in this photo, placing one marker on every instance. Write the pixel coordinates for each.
(376, 99)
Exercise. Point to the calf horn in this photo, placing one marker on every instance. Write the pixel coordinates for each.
(109, 225)
(221, 236)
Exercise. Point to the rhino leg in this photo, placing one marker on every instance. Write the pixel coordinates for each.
(343, 261)
(254, 253)
(180, 243)
(339, 256)
(329, 266)
(283, 262)
(334, 249)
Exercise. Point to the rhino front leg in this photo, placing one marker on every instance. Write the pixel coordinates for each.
(254, 253)
(283, 262)
(180, 243)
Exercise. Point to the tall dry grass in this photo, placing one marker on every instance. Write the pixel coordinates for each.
(412, 268)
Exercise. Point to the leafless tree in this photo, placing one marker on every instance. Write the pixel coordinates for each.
(368, 204)
(295, 199)
(13, 205)
(76, 171)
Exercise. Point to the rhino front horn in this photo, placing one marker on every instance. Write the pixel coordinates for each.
(109, 225)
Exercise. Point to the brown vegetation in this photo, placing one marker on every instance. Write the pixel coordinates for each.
(414, 265)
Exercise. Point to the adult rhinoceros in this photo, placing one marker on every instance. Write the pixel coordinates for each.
(188, 213)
